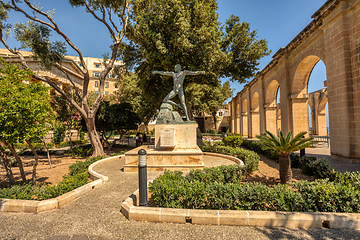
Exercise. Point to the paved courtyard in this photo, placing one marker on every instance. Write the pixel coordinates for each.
(96, 215)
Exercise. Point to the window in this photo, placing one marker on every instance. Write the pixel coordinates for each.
(97, 65)
(96, 92)
(106, 84)
(96, 83)
(108, 76)
(116, 86)
(106, 93)
(96, 74)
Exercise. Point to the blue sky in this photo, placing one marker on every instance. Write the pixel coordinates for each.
(277, 21)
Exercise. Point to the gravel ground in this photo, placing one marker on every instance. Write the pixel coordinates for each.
(96, 215)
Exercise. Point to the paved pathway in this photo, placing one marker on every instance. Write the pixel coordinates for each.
(96, 215)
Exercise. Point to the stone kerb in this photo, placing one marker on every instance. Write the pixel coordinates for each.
(30, 206)
(132, 211)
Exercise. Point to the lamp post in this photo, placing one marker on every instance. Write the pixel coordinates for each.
(143, 197)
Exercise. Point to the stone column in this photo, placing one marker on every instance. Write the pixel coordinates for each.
(270, 112)
(300, 114)
(249, 119)
(255, 124)
(321, 124)
(262, 108)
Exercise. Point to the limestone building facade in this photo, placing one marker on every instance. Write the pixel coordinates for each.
(333, 36)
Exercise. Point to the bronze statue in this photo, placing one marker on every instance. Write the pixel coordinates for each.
(178, 89)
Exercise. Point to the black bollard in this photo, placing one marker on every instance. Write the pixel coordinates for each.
(302, 151)
(143, 196)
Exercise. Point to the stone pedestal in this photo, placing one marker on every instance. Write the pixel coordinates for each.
(175, 149)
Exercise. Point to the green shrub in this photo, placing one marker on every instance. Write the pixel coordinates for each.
(68, 184)
(319, 167)
(233, 140)
(174, 190)
(225, 150)
(325, 196)
(221, 174)
(211, 131)
(80, 167)
(250, 159)
(351, 179)
(81, 151)
(218, 143)
(78, 177)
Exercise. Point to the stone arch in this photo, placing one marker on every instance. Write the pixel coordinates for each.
(271, 93)
(244, 125)
(255, 118)
(322, 125)
(299, 93)
(237, 117)
(322, 105)
(271, 107)
(302, 75)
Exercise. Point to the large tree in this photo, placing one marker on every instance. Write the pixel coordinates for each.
(25, 111)
(203, 98)
(35, 35)
(163, 33)
(115, 118)
(131, 92)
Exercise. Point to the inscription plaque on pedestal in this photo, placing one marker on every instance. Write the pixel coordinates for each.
(167, 137)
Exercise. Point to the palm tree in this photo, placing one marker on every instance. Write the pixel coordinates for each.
(285, 146)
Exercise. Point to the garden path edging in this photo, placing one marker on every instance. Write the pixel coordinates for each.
(132, 211)
(33, 206)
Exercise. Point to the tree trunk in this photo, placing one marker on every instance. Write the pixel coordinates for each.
(33, 177)
(18, 160)
(205, 130)
(285, 169)
(214, 117)
(47, 151)
(98, 149)
(7, 167)
(69, 133)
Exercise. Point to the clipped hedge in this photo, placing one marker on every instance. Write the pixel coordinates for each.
(177, 191)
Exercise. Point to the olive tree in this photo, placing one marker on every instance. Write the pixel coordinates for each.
(35, 35)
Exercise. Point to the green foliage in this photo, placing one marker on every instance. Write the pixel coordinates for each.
(325, 196)
(78, 177)
(24, 105)
(163, 33)
(29, 191)
(81, 151)
(208, 98)
(309, 165)
(81, 167)
(132, 93)
(174, 190)
(218, 143)
(318, 167)
(233, 140)
(221, 174)
(249, 158)
(118, 117)
(285, 145)
(36, 37)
